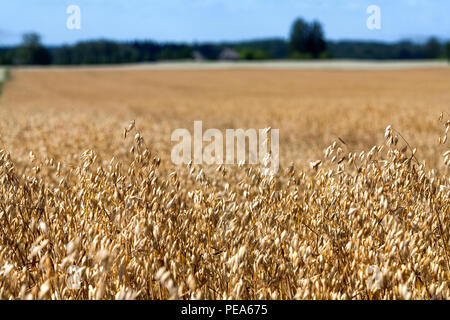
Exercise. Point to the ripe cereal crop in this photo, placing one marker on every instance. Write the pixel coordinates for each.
(91, 207)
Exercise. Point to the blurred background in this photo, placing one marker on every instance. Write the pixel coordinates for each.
(111, 32)
(231, 64)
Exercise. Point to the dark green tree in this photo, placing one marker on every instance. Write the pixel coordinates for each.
(432, 48)
(315, 41)
(32, 52)
(62, 55)
(299, 37)
(307, 39)
(447, 48)
(253, 54)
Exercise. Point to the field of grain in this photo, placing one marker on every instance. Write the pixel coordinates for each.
(91, 206)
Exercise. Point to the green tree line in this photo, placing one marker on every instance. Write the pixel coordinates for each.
(306, 41)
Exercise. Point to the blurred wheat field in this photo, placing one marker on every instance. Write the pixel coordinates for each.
(310, 107)
(364, 223)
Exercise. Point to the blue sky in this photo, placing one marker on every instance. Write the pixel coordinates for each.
(217, 20)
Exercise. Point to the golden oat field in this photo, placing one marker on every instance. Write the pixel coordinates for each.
(92, 207)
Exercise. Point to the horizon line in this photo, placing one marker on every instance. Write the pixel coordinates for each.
(411, 39)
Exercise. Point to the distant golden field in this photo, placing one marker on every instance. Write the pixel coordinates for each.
(311, 108)
(364, 223)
